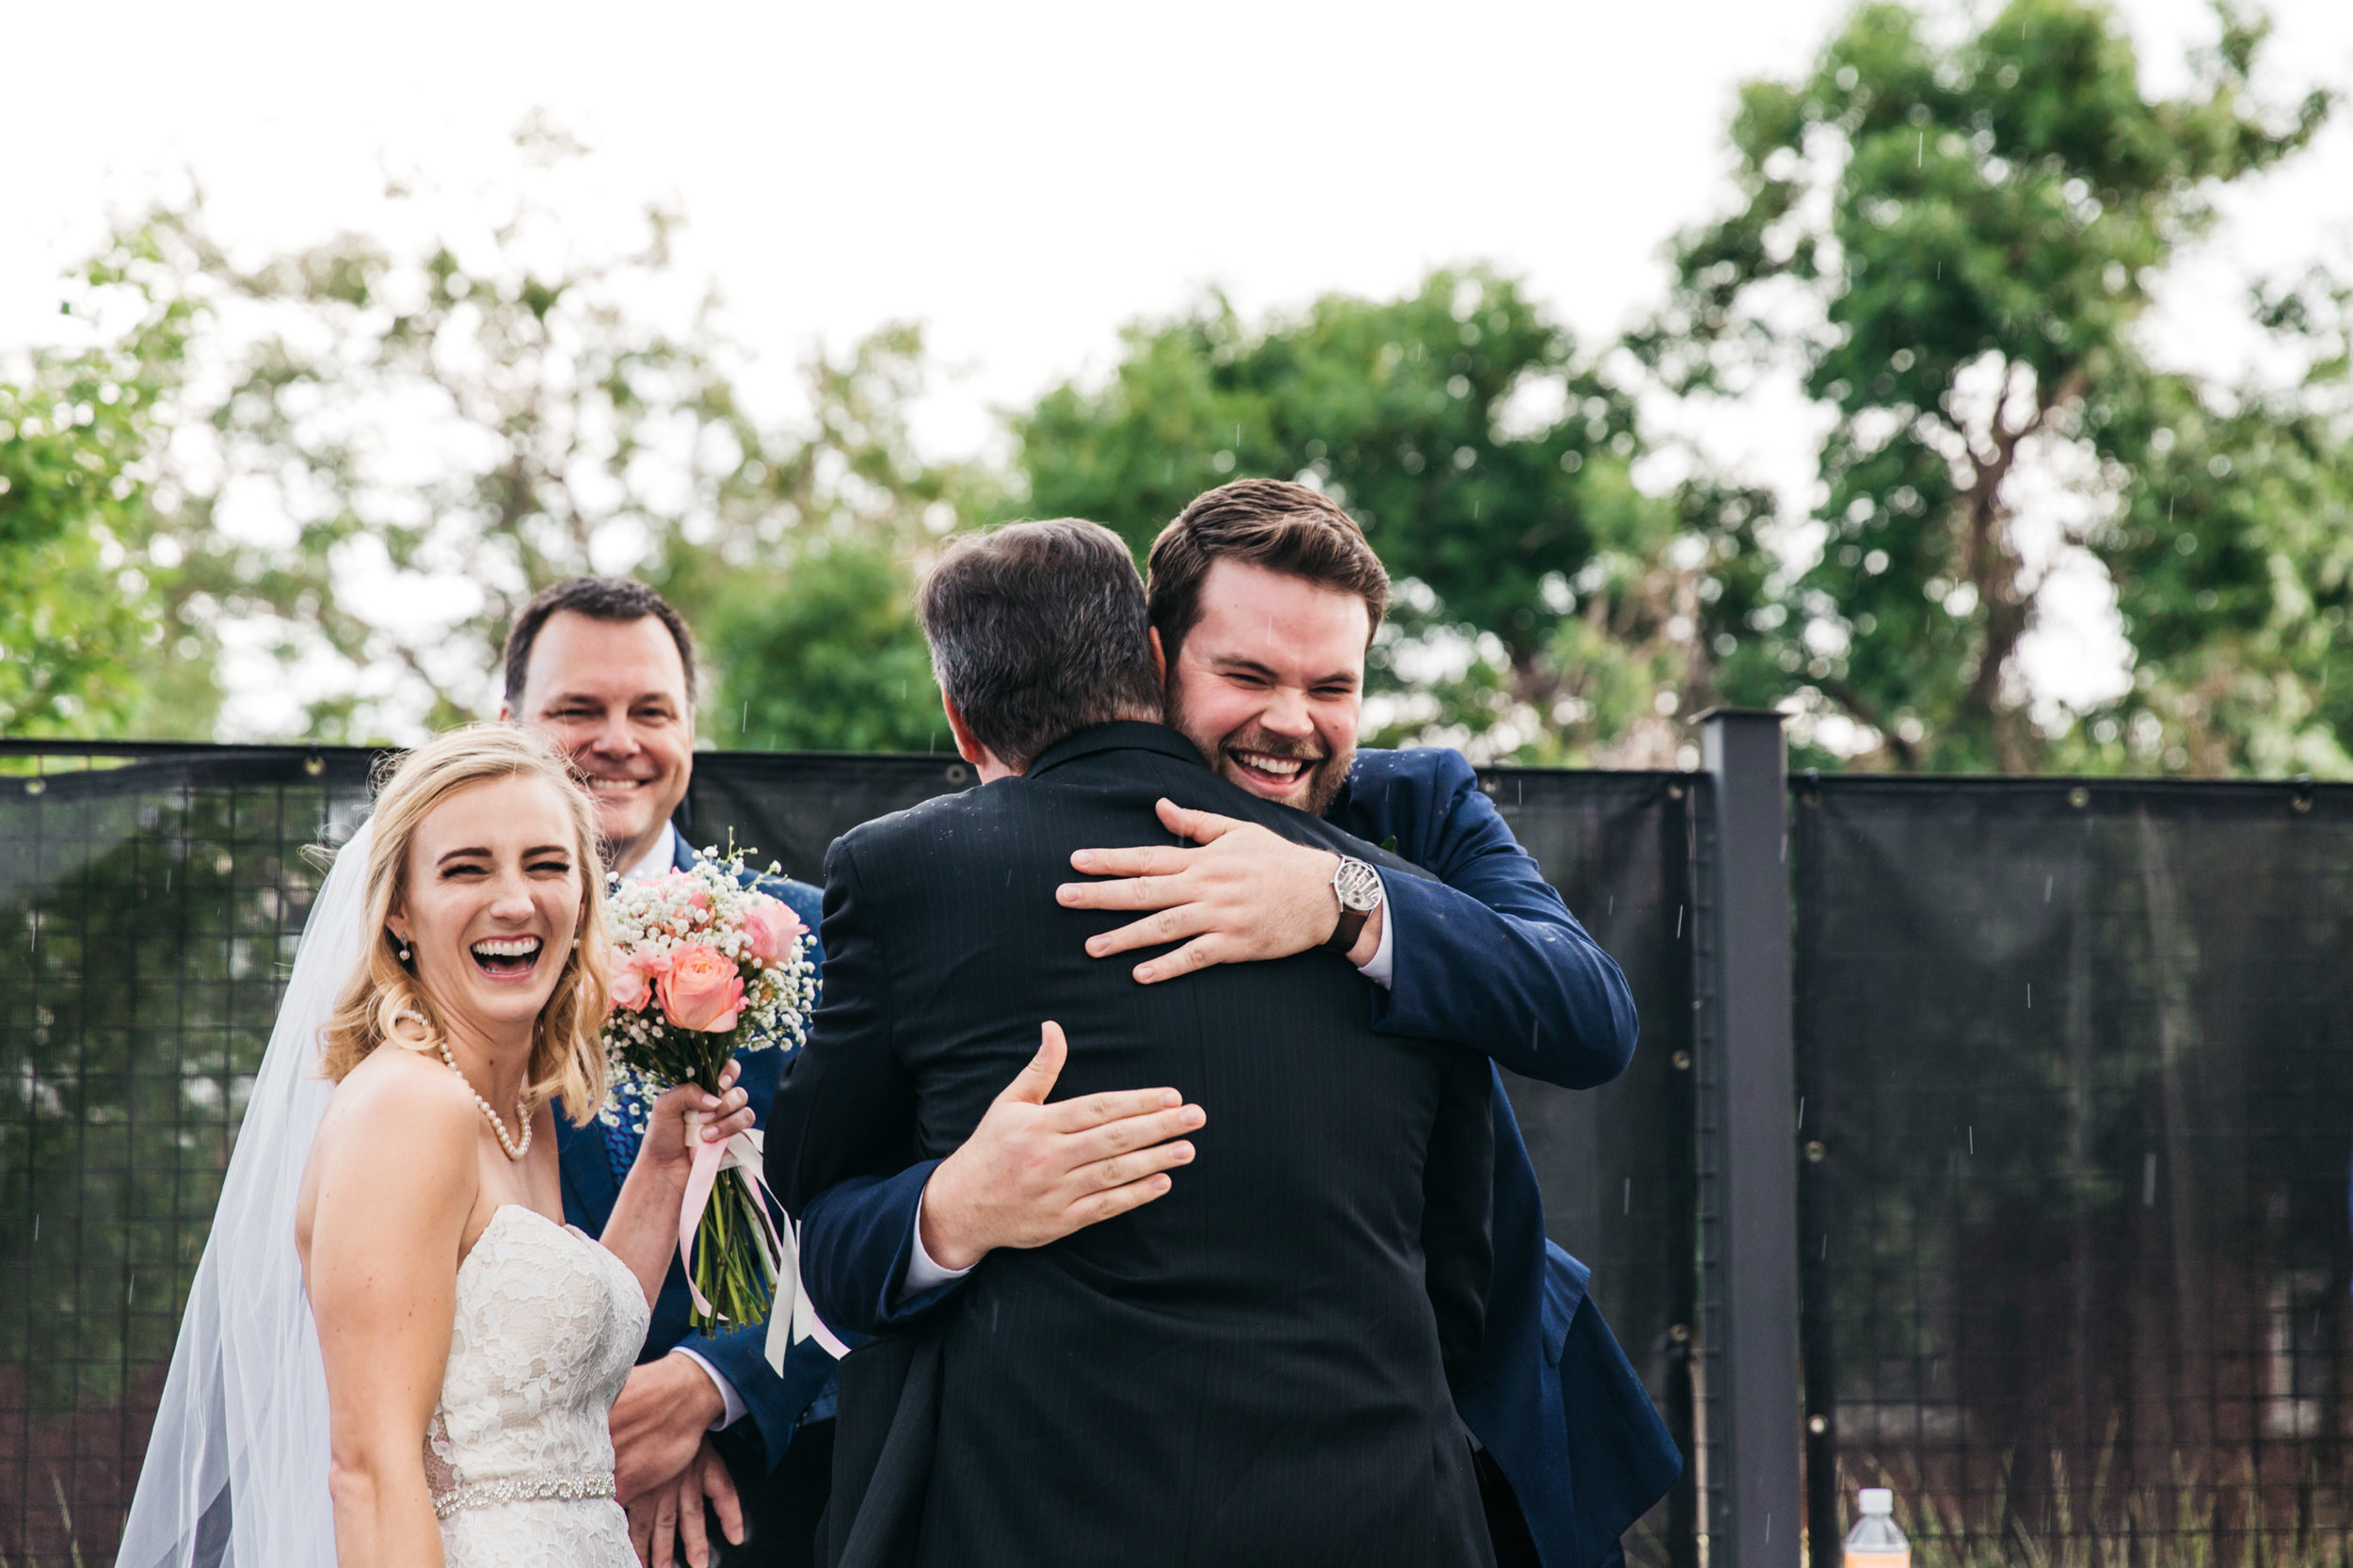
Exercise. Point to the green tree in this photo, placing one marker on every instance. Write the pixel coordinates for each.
(391, 451)
(1956, 243)
(826, 656)
(576, 437)
(80, 603)
(1547, 605)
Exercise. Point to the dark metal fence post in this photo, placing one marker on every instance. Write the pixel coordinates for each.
(1749, 1242)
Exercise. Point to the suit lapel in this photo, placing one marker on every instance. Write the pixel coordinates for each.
(589, 1188)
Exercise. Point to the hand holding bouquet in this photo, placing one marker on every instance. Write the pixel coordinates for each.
(704, 966)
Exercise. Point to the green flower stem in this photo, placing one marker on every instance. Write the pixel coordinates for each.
(728, 1269)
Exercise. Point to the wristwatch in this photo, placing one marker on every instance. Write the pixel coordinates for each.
(1358, 887)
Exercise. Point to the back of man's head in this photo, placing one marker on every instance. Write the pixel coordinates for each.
(1038, 630)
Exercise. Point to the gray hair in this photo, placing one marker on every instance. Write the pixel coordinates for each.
(1038, 630)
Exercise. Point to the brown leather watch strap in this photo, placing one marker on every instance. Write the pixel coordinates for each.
(1351, 927)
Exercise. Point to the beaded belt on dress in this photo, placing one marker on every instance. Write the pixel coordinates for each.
(531, 1487)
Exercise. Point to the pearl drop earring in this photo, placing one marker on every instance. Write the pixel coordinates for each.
(404, 953)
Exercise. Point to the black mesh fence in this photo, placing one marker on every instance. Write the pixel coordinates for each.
(150, 903)
(2077, 1067)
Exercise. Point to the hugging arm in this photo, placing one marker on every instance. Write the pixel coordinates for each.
(1031, 1173)
(1487, 956)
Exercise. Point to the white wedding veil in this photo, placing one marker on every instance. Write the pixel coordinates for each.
(236, 1475)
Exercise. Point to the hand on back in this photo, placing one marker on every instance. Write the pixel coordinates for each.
(1033, 1172)
(1247, 893)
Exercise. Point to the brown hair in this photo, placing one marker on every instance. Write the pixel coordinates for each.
(568, 1044)
(1038, 630)
(1272, 524)
(618, 600)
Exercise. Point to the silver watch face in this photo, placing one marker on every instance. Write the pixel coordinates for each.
(1358, 887)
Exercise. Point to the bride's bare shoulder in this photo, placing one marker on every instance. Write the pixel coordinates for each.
(394, 1153)
(401, 1102)
(395, 1081)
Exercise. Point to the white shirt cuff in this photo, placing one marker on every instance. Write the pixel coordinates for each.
(735, 1405)
(923, 1273)
(1384, 960)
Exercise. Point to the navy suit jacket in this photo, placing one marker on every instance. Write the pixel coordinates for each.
(773, 1404)
(1488, 955)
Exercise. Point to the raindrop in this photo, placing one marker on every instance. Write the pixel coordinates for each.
(2029, 995)
(2046, 889)
(1626, 1204)
(2149, 1180)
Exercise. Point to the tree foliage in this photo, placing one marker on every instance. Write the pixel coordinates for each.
(80, 607)
(360, 462)
(1956, 243)
(827, 657)
(357, 461)
(574, 436)
(1546, 599)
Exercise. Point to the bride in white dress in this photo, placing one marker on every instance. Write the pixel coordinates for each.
(446, 1402)
(473, 1342)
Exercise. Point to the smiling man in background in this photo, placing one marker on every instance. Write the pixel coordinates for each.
(606, 667)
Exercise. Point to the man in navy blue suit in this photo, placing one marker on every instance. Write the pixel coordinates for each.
(1263, 599)
(606, 667)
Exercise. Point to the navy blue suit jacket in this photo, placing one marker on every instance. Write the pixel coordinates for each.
(773, 1404)
(1488, 955)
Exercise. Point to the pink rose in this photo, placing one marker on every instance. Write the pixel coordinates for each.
(702, 989)
(630, 989)
(634, 977)
(774, 930)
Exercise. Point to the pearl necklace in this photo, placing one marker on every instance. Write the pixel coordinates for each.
(523, 1116)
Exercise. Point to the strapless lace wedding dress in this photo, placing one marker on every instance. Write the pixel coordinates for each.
(519, 1457)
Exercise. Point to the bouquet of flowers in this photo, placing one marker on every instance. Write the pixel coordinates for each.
(703, 967)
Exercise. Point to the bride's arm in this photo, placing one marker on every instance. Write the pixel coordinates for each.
(395, 1182)
(643, 1231)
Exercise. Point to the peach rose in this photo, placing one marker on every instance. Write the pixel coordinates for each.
(702, 989)
(774, 930)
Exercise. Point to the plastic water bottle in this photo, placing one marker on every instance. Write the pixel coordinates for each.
(1875, 1542)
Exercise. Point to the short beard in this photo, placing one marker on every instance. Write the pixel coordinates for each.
(1326, 772)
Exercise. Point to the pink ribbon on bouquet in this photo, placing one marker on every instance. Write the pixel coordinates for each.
(709, 1159)
(790, 1321)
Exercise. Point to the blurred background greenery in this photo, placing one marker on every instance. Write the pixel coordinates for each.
(1947, 235)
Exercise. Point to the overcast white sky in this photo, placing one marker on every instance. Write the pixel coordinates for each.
(1022, 178)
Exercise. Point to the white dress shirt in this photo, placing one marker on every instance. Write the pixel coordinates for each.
(924, 1274)
(661, 858)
